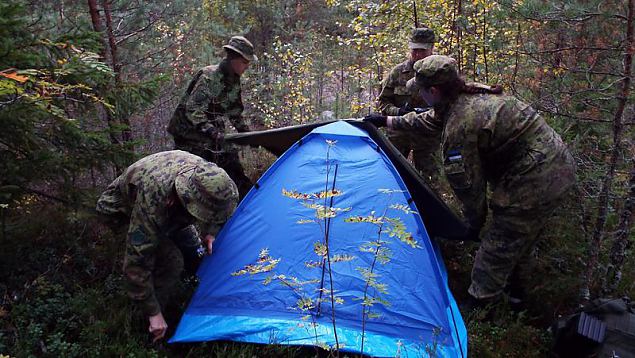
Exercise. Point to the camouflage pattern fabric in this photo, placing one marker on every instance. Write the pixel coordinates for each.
(243, 47)
(435, 70)
(499, 141)
(152, 261)
(211, 107)
(422, 38)
(394, 95)
(169, 263)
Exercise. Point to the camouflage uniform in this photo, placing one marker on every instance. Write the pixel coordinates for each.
(212, 105)
(153, 263)
(500, 141)
(395, 95)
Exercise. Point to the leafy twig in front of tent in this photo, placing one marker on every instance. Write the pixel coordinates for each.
(378, 248)
(327, 227)
(430, 350)
(324, 212)
(304, 303)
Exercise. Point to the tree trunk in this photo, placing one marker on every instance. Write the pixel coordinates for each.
(618, 130)
(622, 243)
(97, 25)
(516, 55)
(455, 26)
(112, 44)
(485, 37)
(126, 134)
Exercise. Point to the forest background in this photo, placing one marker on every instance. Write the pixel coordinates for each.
(87, 87)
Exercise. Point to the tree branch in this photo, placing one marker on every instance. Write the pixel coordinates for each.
(618, 129)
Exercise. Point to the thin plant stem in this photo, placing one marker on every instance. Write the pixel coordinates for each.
(365, 310)
(301, 296)
(326, 232)
(328, 256)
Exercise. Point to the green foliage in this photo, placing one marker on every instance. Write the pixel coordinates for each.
(565, 58)
(392, 227)
(132, 98)
(43, 137)
(14, 33)
(507, 335)
(61, 295)
(281, 101)
(52, 106)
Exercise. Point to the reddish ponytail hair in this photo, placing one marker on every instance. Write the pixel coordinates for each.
(453, 89)
(475, 88)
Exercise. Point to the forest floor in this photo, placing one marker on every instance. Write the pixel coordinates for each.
(60, 291)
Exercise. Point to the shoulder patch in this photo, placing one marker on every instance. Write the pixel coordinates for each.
(138, 237)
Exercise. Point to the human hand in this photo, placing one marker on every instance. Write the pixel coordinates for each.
(421, 109)
(216, 138)
(376, 119)
(208, 241)
(157, 327)
(404, 109)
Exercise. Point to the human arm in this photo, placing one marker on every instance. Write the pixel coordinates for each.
(425, 123)
(139, 262)
(235, 110)
(201, 106)
(386, 100)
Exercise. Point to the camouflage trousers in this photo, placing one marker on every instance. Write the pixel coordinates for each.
(506, 247)
(425, 152)
(173, 254)
(167, 270)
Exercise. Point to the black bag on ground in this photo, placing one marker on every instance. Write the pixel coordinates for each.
(605, 328)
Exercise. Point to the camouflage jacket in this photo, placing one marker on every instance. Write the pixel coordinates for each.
(141, 193)
(502, 141)
(211, 105)
(394, 93)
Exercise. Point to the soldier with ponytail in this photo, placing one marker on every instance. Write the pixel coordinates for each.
(491, 140)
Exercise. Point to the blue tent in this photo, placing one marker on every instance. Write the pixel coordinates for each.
(381, 286)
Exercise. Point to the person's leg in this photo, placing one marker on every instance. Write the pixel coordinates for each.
(510, 238)
(230, 162)
(188, 240)
(167, 271)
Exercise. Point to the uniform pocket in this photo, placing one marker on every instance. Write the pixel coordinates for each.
(454, 168)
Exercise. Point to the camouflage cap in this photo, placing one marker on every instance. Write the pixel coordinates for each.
(207, 192)
(421, 38)
(243, 47)
(433, 70)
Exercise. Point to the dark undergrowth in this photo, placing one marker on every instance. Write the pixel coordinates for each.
(60, 290)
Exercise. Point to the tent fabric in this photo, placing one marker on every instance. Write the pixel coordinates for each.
(418, 314)
(440, 221)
